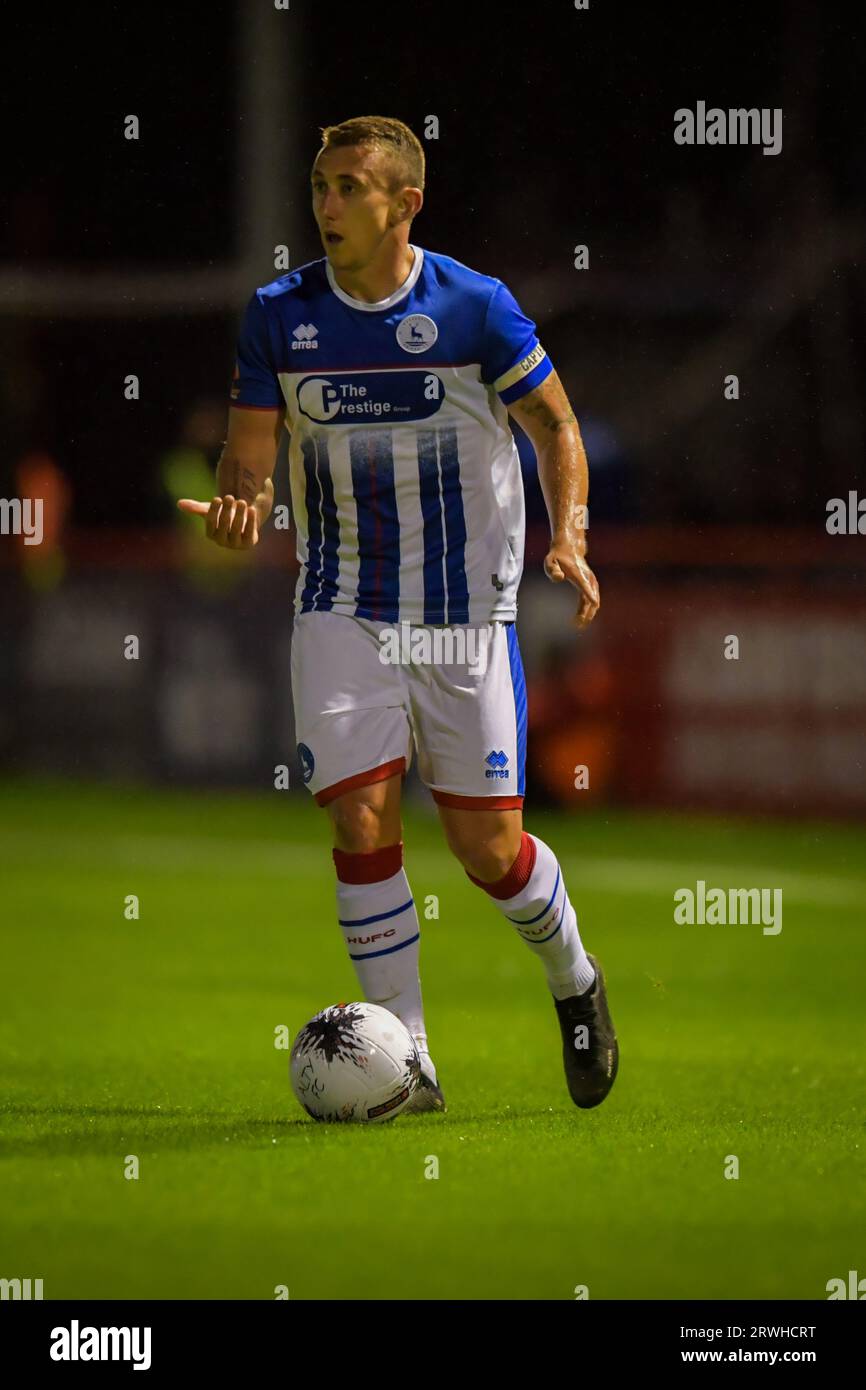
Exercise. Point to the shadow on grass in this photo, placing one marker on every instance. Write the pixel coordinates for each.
(106, 1129)
(46, 1130)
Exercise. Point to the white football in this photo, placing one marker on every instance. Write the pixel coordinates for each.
(354, 1062)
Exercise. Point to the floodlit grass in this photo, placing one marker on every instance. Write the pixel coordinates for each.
(155, 1038)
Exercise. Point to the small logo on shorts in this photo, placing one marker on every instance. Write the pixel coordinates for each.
(307, 762)
(496, 760)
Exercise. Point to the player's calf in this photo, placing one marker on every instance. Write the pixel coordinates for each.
(532, 896)
(376, 912)
(486, 842)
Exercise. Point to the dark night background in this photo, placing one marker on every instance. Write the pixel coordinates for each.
(556, 128)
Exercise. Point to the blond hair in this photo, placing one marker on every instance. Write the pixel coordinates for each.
(403, 150)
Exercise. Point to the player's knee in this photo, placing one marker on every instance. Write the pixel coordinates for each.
(359, 825)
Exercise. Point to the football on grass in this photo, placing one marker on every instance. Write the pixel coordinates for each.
(354, 1062)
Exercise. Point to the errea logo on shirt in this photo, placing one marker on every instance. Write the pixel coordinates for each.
(305, 336)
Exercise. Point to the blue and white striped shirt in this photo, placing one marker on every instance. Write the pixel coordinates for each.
(405, 478)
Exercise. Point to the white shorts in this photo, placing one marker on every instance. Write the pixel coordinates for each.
(460, 697)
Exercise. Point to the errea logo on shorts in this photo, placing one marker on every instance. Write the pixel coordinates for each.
(496, 761)
(305, 336)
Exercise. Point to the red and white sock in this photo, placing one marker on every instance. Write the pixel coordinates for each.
(532, 896)
(377, 915)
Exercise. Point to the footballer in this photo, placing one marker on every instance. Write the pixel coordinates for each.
(395, 369)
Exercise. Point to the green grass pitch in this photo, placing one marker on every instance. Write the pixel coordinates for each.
(155, 1038)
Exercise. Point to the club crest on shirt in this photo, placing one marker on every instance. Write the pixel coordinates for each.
(416, 333)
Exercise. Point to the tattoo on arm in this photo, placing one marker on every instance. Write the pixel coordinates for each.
(548, 417)
(243, 483)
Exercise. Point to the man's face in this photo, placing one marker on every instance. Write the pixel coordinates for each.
(351, 204)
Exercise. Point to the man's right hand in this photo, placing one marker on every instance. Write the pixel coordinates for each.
(230, 521)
